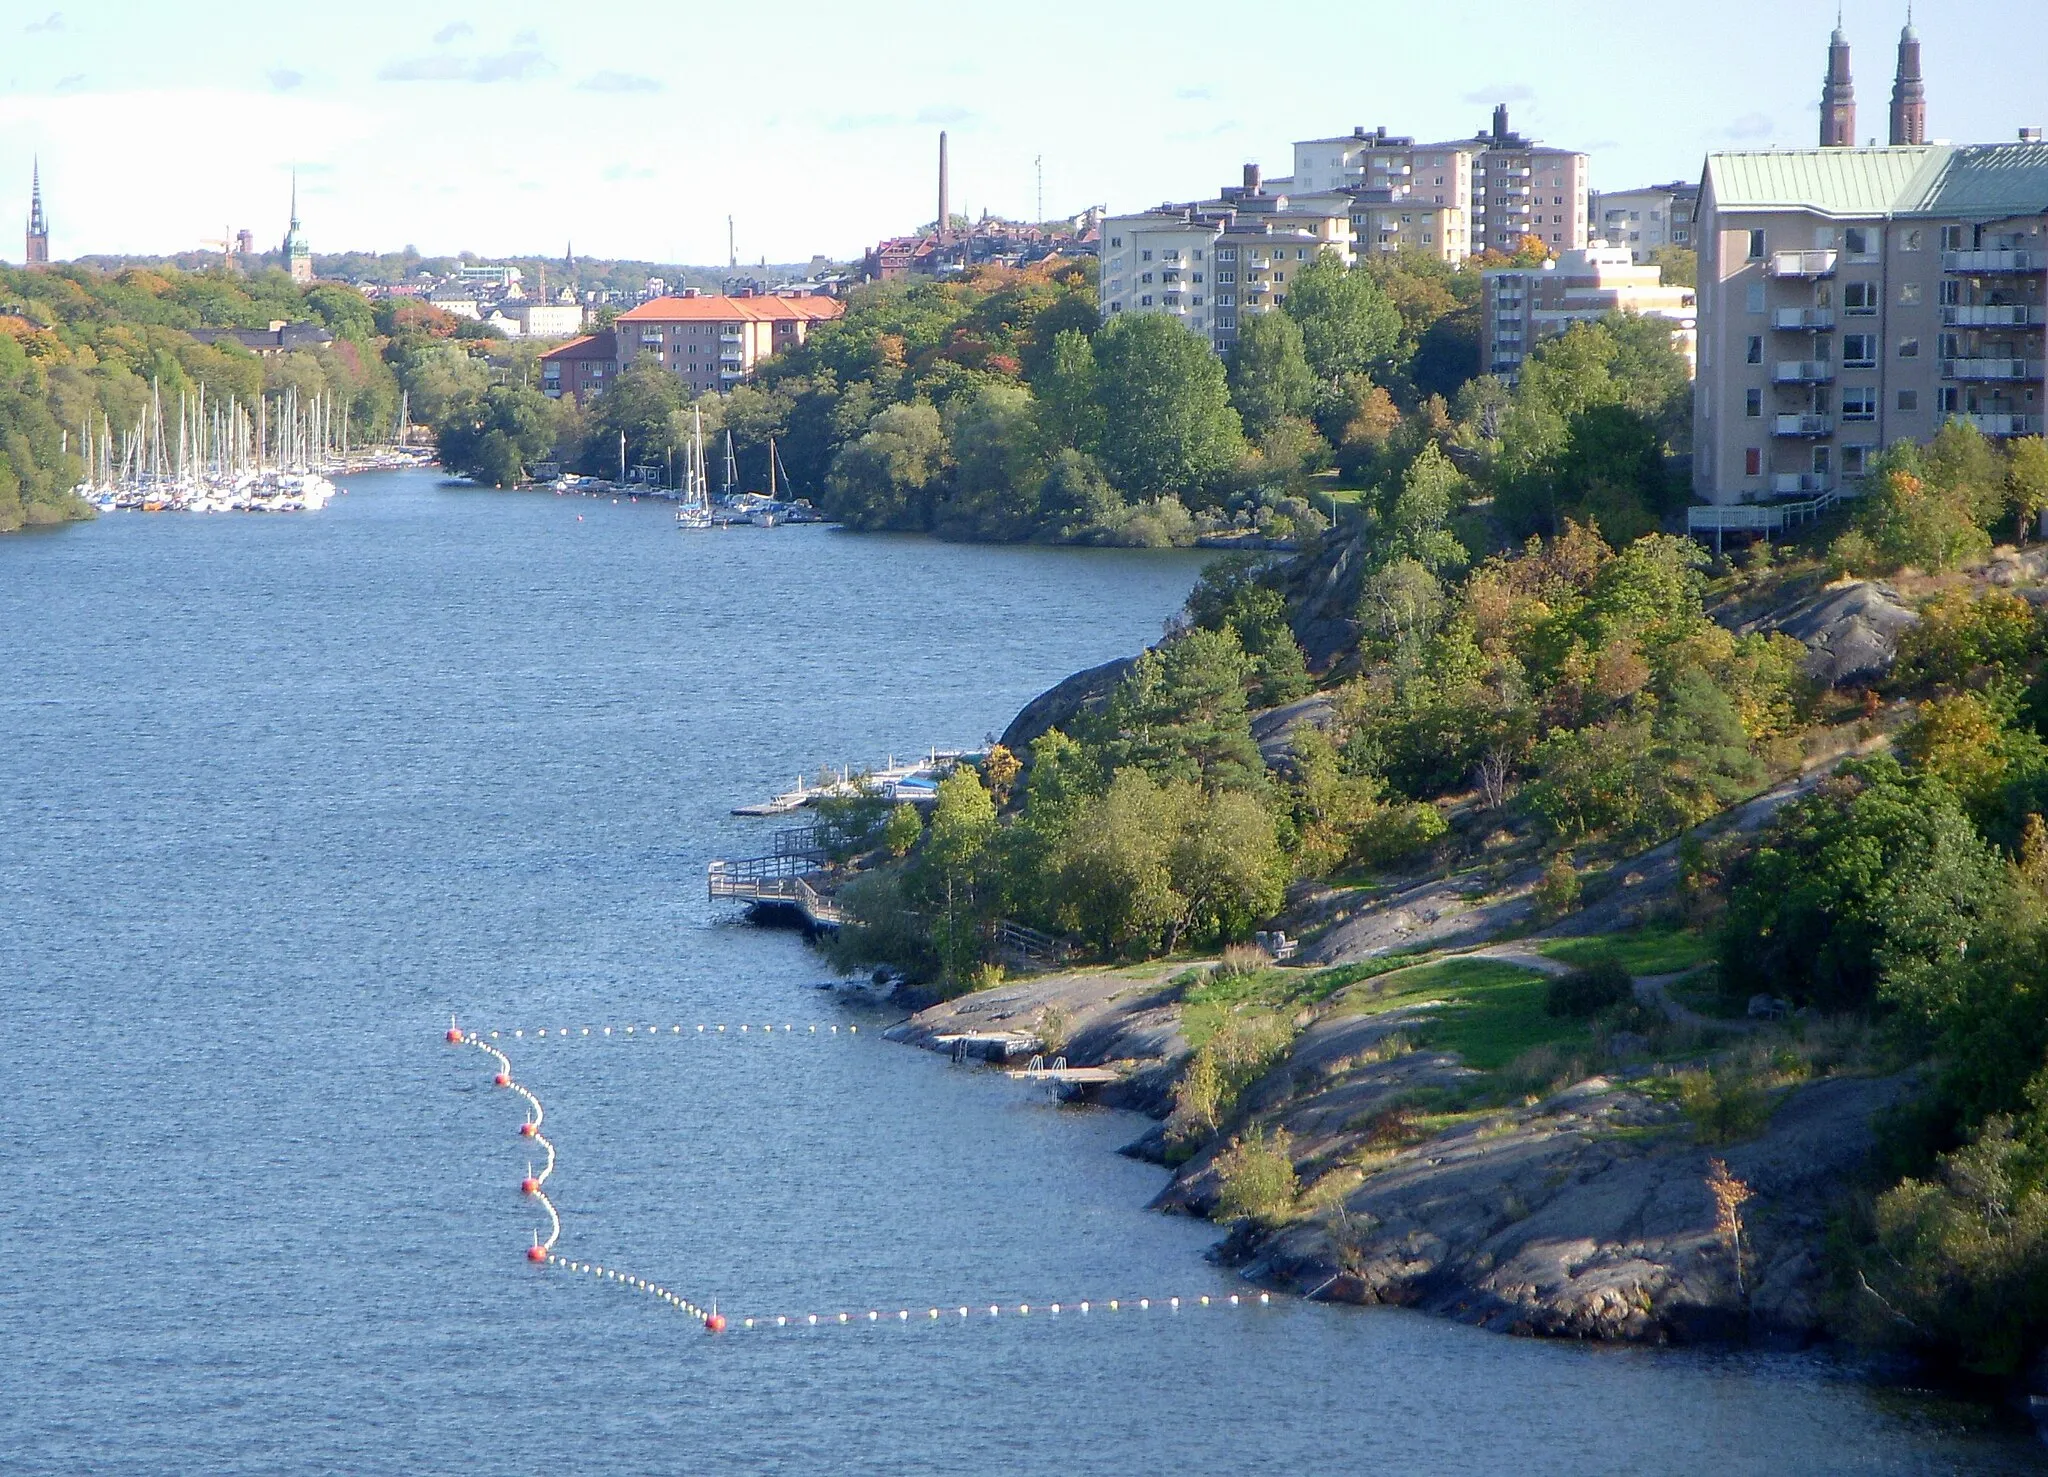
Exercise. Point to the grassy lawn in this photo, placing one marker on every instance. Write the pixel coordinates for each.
(1492, 1012)
(1642, 951)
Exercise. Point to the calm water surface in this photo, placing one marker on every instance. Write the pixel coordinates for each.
(281, 793)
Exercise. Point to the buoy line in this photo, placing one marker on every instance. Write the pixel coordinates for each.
(657, 1032)
(542, 1252)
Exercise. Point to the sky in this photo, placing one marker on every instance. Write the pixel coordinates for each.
(633, 128)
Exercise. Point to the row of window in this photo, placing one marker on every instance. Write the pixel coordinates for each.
(1863, 243)
(1855, 460)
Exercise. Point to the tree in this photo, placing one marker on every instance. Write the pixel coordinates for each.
(1181, 714)
(877, 481)
(644, 405)
(1167, 421)
(1072, 415)
(1075, 501)
(1347, 324)
(2027, 482)
(1269, 374)
(998, 462)
(1417, 525)
(492, 438)
(1876, 874)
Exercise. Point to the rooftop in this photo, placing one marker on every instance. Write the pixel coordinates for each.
(1988, 180)
(767, 308)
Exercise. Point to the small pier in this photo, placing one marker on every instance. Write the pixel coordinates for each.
(915, 782)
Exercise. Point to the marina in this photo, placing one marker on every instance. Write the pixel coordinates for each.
(279, 457)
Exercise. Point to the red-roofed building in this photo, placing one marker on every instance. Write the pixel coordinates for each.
(714, 343)
(582, 366)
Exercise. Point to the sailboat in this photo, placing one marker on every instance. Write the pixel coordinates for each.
(693, 510)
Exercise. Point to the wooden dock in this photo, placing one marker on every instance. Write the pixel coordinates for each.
(914, 782)
(776, 884)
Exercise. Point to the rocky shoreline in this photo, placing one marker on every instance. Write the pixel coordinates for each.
(1583, 1215)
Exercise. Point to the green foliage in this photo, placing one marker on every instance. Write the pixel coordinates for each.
(1588, 427)
(1584, 993)
(880, 479)
(1957, 1263)
(1488, 1012)
(1347, 324)
(1232, 1050)
(1557, 891)
(1930, 507)
(1876, 871)
(1255, 1177)
(1969, 639)
(1167, 421)
(1181, 714)
(492, 437)
(1269, 374)
(903, 830)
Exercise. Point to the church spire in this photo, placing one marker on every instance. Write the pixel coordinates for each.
(1838, 94)
(1909, 93)
(298, 256)
(38, 251)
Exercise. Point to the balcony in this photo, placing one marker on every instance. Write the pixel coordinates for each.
(1990, 369)
(1801, 264)
(653, 339)
(731, 338)
(1802, 372)
(1992, 261)
(731, 356)
(2006, 425)
(1991, 315)
(731, 374)
(1803, 320)
(1796, 484)
(1804, 425)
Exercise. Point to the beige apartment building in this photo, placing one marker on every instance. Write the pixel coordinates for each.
(1852, 297)
(1522, 306)
(1210, 265)
(1647, 219)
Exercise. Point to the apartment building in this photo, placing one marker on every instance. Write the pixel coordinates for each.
(1523, 188)
(1646, 219)
(714, 343)
(1522, 306)
(1211, 263)
(1851, 297)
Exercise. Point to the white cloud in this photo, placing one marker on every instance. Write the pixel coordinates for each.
(453, 31)
(54, 21)
(506, 66)
(618, 82)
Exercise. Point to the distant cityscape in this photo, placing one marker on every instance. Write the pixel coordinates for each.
(1928, 256)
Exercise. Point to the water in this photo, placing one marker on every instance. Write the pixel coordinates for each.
(281, 793)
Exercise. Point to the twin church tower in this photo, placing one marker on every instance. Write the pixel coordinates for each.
(1838, 93)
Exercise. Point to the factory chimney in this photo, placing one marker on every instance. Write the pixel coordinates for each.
(945, 199)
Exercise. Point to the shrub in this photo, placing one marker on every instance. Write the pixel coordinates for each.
(1236, 1054)
(1557, 890)
(1959, 1262)
(1257, 1177)
(1586, 992)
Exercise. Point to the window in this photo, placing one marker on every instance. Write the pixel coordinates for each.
(1196, 300)
(1756, 349)
(1198, 257)
(1226, 253)
(1145, 301)
(1859, 299)
(1145, 256)
(1225, 300)
(1859, 350)
(1909, 294)
(1146, 277)
(1756, 297)
(1948, 399)
(1753, 461)
(1116, 242)
(1116, 307)
(1823, 460)
(1909, 399)
(1858, 242)
(1909, 348)
(1756, 246)
(1227, 275)
(1909, 240)
(1951, 238)
(1198, 276)
(1301, 253)
(1859, 403)
(1753, 404)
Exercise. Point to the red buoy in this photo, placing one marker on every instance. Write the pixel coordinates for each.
(526, 1130)
(502, 1080)
(715, 1323)
(455, 1035)
(529, 1186)
(535, 1254)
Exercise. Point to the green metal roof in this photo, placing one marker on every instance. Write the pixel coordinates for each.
(1988, 180)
